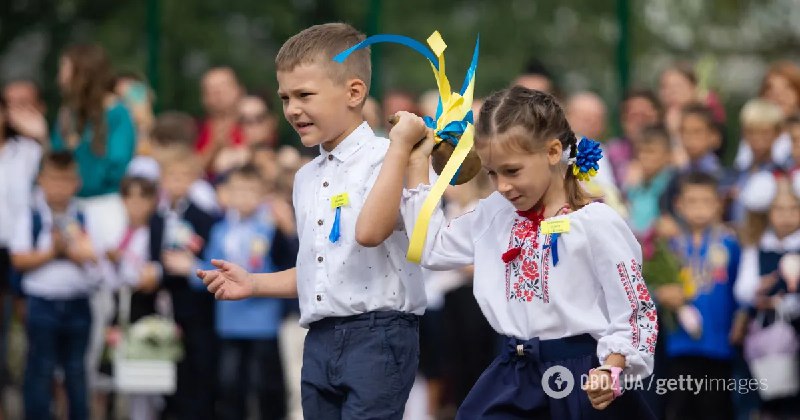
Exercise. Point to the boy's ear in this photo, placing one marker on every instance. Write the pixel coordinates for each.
(357, 92)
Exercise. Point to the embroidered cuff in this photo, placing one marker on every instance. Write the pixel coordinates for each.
(421, 189)
(636, 364)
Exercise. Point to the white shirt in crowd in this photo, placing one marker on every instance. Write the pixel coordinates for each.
(19, 165)
(596, 287)
(342, 278)
(57, 279)
(749, 279)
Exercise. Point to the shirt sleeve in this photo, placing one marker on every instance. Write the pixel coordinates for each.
(448, 245)
(22, 238)
(120, 144)
(617, 258)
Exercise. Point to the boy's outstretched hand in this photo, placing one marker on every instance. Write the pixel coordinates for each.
(228, 282)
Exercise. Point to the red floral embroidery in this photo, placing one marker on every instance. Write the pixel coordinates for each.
(643, 319)
(527, 275)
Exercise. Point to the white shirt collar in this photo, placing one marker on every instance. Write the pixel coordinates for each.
(349, 145)
(770, 241)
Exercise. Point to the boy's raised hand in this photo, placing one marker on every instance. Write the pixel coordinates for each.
(408, 129)
(228, 282)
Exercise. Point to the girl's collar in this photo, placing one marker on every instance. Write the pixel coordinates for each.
(771, 242)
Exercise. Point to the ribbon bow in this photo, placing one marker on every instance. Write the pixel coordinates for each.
(453, 121)
(589, 153)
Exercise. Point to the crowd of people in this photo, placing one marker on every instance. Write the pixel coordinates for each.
(109, 206)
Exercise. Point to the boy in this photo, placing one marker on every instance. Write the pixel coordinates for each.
(700, 135)
(248, 328)
(360, 304)
(653, 153)
(703, 302)
(52, 249)
(185, 228)
(762, 123)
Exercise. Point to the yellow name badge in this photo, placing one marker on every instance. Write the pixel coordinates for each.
(555, 226)
(340, 200)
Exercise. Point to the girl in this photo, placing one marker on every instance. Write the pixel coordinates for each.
(767, 285)
(558, 275)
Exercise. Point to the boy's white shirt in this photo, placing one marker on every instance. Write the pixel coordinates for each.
(586, 290)
(58, 279)
(343, 278)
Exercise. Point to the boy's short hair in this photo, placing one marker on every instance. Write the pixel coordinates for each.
(656, 134)
(697, 179)
(174, 127)
(761, 112)
(61, 160)
(703, 112)
(247, 171)
(323, 42)
(147, 187)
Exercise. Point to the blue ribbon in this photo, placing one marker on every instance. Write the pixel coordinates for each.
(334, 236)
(554, 247)
(396, 39)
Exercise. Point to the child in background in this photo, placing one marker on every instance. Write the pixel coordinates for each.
(54, 248)
(793, 128)
(767, 281)
(653, 153)
(762, 123)
(700, 136)
(703, 302)
(184, 231)
(249, 358)
(136, 266)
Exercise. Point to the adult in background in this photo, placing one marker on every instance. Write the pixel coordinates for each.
(781, 86)
(95, 125)
(221, 93)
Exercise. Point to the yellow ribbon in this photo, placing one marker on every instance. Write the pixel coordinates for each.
(454, 108)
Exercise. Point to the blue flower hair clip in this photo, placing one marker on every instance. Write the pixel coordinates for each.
(586, 161)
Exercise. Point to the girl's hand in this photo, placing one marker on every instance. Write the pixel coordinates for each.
(599, 389)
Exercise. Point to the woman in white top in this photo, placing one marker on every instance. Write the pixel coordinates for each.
(557, 274)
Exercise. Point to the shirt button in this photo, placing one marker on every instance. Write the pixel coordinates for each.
(325, 184)
(330, 157)
(320, 222)
(319, 298)
(319, 258)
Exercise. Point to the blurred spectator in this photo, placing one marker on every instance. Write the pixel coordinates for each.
(55, 247)
(703, 304)
(536, 76)
(185, 230)
(781, 86)
(221, 94)
(95, 125)
(677, 89)
(26, 109)
(19, 163)
(135, 94)
(258, 128)
(639, 109)
(762, 123)
(250, 359)
(586, 114)
(767, 290)
(173, 131)
(644, 194)
(699, 136)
